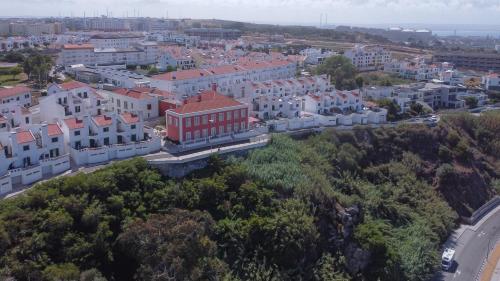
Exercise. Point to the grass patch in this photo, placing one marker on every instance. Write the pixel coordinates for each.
(378, 78)
(9, 80)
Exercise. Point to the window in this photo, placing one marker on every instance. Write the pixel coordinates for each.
(243, 125)
(213, 132)
(105, 129)
(106, 141)
(77, 108)
(188, 122)
(132, 126)
(204, 133)
(236, 127)
(133, 137)
(27, 120)
(26, 147)
(149, 106)
(229, 115)
(228, 128)
(197, 121)
(118, 103)
(236, 114)
(221, 130)
(55, 139)
(78, 144)
(188, 135)
(213, 117)
(125, 104)
(221, 116)
(197, 134)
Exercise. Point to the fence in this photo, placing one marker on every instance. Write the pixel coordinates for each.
(479, 213)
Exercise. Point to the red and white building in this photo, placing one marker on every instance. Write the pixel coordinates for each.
(141, 100)
(18, 95)
(206, 116)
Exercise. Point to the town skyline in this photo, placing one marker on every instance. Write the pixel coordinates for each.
(290, 12)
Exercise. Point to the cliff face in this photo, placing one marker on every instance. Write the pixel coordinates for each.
(459, 156)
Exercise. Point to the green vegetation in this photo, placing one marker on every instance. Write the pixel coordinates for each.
(10, 76)
(37, 67)
(358, 205)
(471, 102)
(341, 71)
(382, 79)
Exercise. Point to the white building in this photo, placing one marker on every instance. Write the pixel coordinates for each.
(17, 95)
(142, 53)
(368, 58)
(491, 82)
(316, 56)
(282, 98)
(102, 138)
(328, 103)
(228, 78)
(452, 77)
(140, 100)
(416, 69)
(71, 99)
(30, 153)
(115, 40)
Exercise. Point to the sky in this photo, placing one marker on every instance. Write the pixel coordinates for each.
(307, 12)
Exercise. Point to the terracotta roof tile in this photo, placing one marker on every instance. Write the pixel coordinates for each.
(102, 120)
(208, 100)
(74, 123)
(130, 118)
(24, 137)
(54, 130)
(13, 91)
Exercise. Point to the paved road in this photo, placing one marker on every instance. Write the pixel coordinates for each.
(472, 244)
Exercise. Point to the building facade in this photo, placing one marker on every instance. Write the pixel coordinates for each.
(206, 116)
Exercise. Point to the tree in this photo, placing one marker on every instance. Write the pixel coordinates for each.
(471, 102)
(359, 81)
(37, 67)
(341, 71)
(153, 70)
(417, 108)
(393, 108)
(176, 245)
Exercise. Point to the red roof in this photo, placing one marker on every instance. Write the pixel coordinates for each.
(54, 130)
(133, 93)
(243, 65)
(78, 46)
(141, 92)
(13, 91)
(24, 137)
(71, 85)
(103, 120)
(74, 123)
(208, 100)
(130, 118)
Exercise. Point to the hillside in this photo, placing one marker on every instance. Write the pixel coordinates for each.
(358, 205)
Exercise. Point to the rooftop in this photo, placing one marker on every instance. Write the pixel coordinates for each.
(102, 120)
(208, 100)
(13, 91)
(130, 118)
(54, 130)
(74, 123)
(24, 137)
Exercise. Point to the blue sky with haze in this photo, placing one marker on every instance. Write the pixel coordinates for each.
(274, 11)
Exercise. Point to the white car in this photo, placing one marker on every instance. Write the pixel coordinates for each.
(447, 259)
